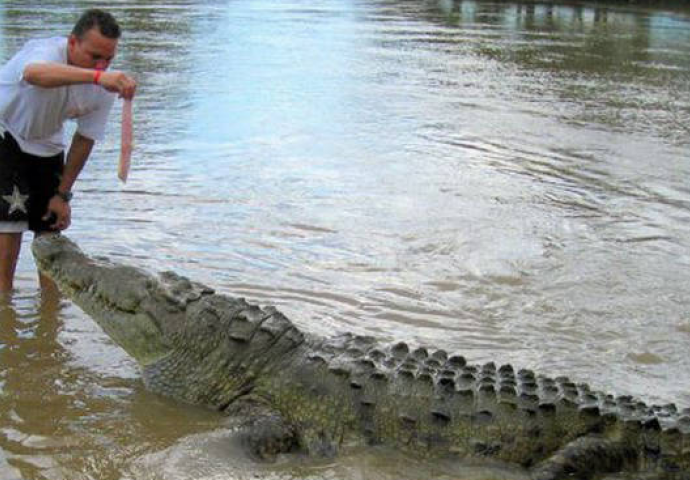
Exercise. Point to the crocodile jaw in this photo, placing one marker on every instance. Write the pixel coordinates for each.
(111, 294)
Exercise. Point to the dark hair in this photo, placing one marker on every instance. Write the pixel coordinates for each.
(105, 22)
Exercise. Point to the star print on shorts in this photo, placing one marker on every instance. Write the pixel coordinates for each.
(16, 201)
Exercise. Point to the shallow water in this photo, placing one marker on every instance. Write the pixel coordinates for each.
(504, 180)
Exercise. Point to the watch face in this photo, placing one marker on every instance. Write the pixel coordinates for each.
(66, 196)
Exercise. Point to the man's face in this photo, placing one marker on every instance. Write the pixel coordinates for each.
(93, 50)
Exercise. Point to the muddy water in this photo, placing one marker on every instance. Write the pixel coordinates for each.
(504, 180)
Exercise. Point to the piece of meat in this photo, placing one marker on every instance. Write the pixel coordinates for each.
(125, 141)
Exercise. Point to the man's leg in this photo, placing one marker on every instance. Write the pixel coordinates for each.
(14, 198)
(10, 244)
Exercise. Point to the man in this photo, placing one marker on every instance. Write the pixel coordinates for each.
(46, 83)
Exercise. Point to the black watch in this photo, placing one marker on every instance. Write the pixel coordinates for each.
(65, 196)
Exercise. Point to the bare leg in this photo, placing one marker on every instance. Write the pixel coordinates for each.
(10, 244)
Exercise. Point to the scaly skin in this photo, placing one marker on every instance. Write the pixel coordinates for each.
(296, 390)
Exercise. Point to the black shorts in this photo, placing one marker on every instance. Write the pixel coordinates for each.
(27, 183)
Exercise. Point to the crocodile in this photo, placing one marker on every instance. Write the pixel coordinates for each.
(296, 391)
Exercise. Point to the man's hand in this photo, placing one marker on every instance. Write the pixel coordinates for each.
(118, 82)
(62, 212)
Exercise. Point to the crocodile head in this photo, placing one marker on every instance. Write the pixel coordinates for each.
(193, 345)
(111, 294)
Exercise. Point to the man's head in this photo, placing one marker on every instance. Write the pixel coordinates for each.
(93, 41)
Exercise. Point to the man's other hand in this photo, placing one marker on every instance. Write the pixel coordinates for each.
(61, 211)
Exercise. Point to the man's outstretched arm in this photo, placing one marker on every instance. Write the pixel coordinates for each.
(51, 75)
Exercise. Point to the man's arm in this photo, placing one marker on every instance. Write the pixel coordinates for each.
(76, 159)
(51, 75)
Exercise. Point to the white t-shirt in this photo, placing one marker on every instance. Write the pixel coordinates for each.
(35, 115)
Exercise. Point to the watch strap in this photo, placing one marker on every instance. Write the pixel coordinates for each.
(65, 196)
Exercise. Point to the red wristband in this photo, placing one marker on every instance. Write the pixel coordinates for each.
(97, 76)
